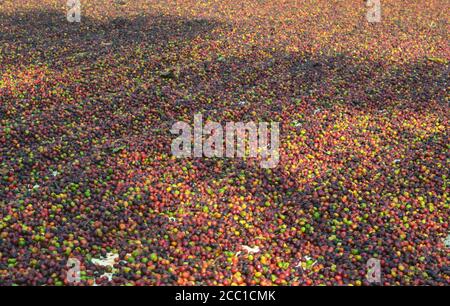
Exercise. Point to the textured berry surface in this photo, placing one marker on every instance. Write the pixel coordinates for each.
(86, 168)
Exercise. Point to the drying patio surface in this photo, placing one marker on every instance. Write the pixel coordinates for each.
(87, 173)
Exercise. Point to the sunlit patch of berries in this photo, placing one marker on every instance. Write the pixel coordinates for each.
(86, 169)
